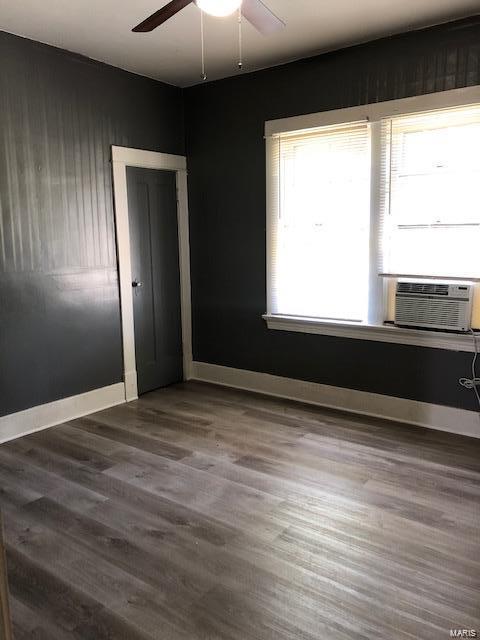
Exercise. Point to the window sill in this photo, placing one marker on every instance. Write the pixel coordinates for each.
(380, 333)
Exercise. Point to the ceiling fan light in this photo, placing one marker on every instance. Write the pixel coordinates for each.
(219, 8)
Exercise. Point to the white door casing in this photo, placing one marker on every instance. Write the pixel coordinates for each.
(123, 157)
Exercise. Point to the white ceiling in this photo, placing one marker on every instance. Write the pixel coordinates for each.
(101, 29)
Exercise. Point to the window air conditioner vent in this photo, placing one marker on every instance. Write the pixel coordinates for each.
(423, 287)
(434, 305)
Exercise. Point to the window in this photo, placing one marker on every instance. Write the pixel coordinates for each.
(321, 230)
(356, 203)
(432, 189)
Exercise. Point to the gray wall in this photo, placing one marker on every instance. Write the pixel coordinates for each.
(226, 161)
(59, 304)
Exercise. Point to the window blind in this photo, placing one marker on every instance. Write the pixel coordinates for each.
(319, 209)
(430, 204)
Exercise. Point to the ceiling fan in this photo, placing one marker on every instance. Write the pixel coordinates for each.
(255, 11)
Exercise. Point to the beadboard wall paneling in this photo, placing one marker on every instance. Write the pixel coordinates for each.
(59, 302)
(226, 160)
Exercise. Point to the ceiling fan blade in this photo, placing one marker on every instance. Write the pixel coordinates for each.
(260, 16)
(162, 15)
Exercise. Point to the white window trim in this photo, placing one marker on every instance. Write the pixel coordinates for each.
(374, 332)
(376, 111)
(375, 329)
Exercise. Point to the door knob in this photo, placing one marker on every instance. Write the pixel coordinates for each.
(136, 283)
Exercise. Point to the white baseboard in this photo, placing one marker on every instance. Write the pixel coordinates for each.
(53, 413)
(422, 414)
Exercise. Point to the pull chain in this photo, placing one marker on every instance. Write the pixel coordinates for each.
(240, 48)
(204, 75)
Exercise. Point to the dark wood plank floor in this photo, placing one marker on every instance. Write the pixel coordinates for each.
(206, 513)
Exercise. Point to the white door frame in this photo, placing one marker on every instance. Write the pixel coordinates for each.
(123, 157)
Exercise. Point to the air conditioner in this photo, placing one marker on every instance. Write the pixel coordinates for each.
(433, 305)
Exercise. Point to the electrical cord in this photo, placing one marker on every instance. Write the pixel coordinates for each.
(474, 381)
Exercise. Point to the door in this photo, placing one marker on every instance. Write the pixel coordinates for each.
(152, 212)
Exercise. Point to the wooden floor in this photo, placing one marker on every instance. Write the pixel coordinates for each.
(206, 513)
